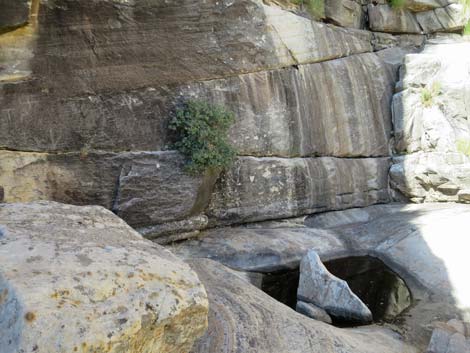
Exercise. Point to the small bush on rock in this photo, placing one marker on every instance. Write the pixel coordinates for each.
(316, 8)
(201, 133)
(463, 146)
(429, 93)
(397, 4)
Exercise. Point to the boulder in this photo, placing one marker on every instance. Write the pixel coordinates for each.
(321, 288)
(80, 279)
(345, 13)
(384, 18)
(256, 189)
(244, 319)
(313, 311)
(13, 13)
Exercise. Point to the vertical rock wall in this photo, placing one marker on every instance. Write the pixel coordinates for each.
(85, 95)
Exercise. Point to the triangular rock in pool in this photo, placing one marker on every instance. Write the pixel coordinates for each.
(321, 288)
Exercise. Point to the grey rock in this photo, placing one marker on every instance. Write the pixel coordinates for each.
(345, 13)
(313, 311)
(244, 319)
(450, 338)
(444, 19)
(384, 18)
(321, 288)
(260, 249)
(464, 195)
(13, 13)
(163, 231)
(256, 189)
(278, 112)
(92, 90)
(406, 237)
(61, 264)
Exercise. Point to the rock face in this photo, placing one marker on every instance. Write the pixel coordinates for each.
(321, 288)
(345, 13)
(383, 18)
(13, 13)
(83, 115)
(79, 279)
(313, 311)
(451, 337)
(430, 117)
(256, 189)
(244, 319)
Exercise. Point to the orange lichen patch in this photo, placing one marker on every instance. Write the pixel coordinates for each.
(61, 293)
(30, 316)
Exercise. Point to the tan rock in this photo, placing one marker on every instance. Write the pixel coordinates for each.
(78, 279)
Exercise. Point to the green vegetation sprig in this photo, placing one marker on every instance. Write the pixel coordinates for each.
(202, 136)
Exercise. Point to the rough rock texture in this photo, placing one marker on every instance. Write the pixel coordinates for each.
(444, 19)
(384, 18)
(90, 89)
(313, 311)
(256, 189)
(321, 288)
(13, 13)
(279, 112)
(129, 183)
(244, 319)
(431, 126)
(79, 279)
(345, 13)
(407, 238)
(453, 337)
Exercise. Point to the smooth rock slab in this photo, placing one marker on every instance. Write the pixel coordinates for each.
(256, 189)
(242, 318)
(321, 288)
(79, 279)
(453, 337)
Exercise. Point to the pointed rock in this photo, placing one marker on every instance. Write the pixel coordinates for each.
(321, 288)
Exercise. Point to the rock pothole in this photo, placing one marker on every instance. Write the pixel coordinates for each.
(382, 290)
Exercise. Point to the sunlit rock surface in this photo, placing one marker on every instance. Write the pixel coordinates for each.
(79, 279)
(430, 114)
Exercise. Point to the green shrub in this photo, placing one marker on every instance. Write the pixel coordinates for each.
(201, 135)
(463, 146)
(466, 12)
(429, 93)
(315, 7)
(397, 4)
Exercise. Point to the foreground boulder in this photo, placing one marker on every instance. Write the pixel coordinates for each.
(242, 318)
(79, 279)
(321, 288)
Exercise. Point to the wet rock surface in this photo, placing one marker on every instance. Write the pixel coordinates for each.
(80, 279)
(319, 287)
